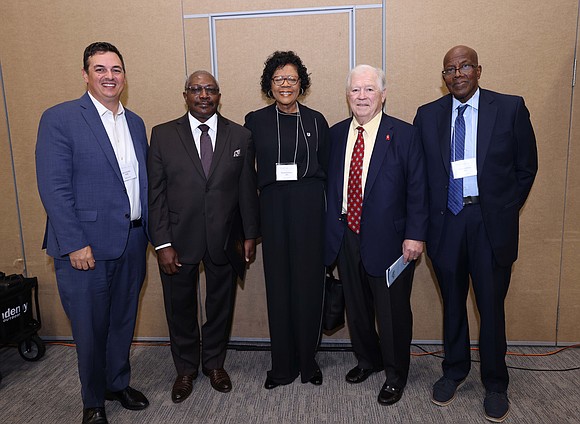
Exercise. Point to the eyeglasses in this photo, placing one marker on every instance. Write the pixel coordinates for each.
(291, 80)
(197, 89)
(464, 69)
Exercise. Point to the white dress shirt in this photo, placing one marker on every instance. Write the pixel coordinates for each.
(120, 138)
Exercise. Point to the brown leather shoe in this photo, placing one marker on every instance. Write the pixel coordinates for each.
(219, 378)
(182, 387)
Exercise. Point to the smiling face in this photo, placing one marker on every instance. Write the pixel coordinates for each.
(462, 86)
(286, 95)
(202, 95)
(105, 78)
(365, 96)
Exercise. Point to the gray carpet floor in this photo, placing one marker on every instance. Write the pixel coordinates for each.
(48, 391)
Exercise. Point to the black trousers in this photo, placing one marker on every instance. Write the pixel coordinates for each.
(369, 302)
(467, 252)
(292, 236)
(180, 297)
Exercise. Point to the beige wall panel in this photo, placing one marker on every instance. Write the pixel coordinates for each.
(250, 315)
(369, 39)
(569, 311)
(525, 47)
(426, 304)
(515, 53)
(242, 53)
(224, 6)
(11, 261)
(42, 46)
(239, 69)
(197, 46)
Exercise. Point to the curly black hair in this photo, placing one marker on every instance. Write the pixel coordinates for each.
(278, 60)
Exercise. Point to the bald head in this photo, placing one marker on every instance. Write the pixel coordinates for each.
(197, 75)
(202, 95)
(461, 51)
(461, 72)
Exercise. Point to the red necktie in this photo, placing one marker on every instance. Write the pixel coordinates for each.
(354, 192)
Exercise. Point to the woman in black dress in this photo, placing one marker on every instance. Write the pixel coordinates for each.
(291, 142)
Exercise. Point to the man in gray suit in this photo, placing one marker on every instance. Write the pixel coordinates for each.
(203, 196)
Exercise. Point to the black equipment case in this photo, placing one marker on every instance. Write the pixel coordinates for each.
(20, 315)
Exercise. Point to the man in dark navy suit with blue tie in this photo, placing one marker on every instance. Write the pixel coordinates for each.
(91, 155)
(481, 158)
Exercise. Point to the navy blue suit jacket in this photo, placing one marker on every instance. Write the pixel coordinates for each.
(394, 199)
(80, 182)
(507, 162)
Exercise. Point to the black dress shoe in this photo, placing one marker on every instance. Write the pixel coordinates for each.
(129, 397)
(316, 379)
(219, 379)
(182, 387)
(94, 416)
(389, 395)
(269, 384)
(358, 375)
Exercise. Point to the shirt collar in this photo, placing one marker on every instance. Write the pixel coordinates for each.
(102, 109)
(211, 122)
(369, 126)
(473, 101)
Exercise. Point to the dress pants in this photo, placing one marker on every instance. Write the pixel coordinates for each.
(180, 297)
(370, 302)
(102, 307)
(292, 246)
(467, 252)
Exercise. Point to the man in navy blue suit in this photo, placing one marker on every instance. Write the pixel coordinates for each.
(91, 155)
(481, 158)
(377, 212)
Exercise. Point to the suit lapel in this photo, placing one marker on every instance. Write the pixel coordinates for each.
(93, 120)
(486, 121)
(444, 129)
(141, 154)
(340, 158)
(384, 137)
(184, 131)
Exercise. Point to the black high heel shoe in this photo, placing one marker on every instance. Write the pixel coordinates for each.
(270, 384)
(316, 379)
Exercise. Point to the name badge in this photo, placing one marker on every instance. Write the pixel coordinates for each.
(286, 172)
(128, 172)
(464, 168)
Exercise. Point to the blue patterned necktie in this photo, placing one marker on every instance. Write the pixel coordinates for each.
(455, 193)
(206, 148)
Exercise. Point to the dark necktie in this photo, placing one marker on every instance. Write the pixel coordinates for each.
(354, 188)
(455, 193)
(205, 148)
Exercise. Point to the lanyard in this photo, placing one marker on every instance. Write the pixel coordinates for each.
(298, 125)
